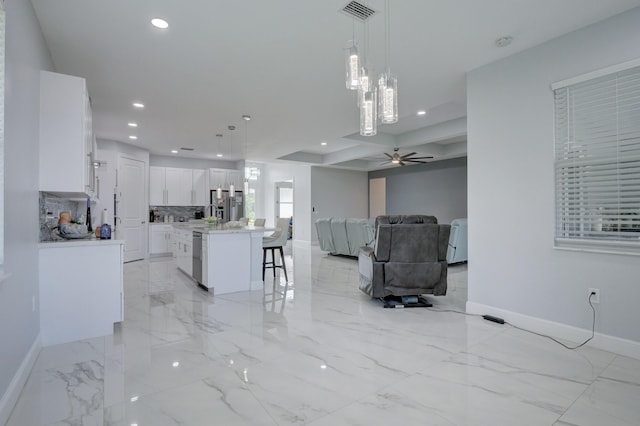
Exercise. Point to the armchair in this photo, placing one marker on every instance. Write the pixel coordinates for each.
(408, 259)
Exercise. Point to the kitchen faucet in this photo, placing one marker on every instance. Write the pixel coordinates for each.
(213, 206)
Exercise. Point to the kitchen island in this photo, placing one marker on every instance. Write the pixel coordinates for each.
(226, 260)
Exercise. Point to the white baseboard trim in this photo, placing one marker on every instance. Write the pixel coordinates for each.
(558, 330)
(12, 393)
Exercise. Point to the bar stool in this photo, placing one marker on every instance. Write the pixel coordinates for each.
(277, 240)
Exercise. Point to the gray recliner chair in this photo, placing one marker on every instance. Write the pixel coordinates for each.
(409, 258)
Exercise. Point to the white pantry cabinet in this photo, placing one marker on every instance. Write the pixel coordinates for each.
(67, 145)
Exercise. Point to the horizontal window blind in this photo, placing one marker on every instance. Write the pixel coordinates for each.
(597, 158)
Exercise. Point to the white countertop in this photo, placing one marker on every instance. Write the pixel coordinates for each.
(78, 243)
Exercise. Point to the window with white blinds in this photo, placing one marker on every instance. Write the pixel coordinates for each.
(597, 159)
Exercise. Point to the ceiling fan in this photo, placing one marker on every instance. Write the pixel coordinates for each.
(406, 158)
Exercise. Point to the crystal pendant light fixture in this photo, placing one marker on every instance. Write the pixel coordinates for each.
(352, 62)
(367, 96)
(387, 82)
(368, 114)
(365, 84)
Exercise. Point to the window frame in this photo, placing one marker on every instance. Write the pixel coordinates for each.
(603, 243)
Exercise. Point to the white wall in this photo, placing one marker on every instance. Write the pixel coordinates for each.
(338, 193)
(26, 55)
(513, 265)
(300, 174)
(438, 189)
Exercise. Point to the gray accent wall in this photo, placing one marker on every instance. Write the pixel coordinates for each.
(26, 55)
(338, 193)
(515, 266)
(438, 189)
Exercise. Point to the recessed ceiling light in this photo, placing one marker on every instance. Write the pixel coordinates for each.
(218, 155)
(174, 151)
(323, 143)
(422, 112)
(159, 23)
(138, 105)
(133, 137)
(504, 41)
(176, 364)
(246, 117)
(132, 124)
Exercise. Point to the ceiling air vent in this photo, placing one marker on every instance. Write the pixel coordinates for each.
(187, 149)
(358, 11)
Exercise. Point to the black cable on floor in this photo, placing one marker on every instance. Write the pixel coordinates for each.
(593, 326)
(593, 330)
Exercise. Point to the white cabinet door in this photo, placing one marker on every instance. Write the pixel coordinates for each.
(235, 178)
(200, 188)
(65, 134)
(157, 186)
(178, 185)
(160, 239)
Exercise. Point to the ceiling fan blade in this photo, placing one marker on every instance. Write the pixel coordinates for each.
(409, 154)
(390, 157)
(401, 163)
(419, 158)
(416, 161)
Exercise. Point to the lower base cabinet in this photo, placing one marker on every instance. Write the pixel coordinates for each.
(184, 250)
(81, 289)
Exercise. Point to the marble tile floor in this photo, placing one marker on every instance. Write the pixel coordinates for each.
(317, 351)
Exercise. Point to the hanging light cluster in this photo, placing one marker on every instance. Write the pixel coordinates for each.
(377, 102)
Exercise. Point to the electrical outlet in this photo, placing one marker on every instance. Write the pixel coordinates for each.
(596, 295)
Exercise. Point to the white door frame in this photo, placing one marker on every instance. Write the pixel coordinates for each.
(277, 186)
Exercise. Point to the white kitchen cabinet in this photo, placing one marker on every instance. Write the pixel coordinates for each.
(184, 250)
(223, 178)
(172, 186)
(160, 239)
(67, 146)
(179, 186)
(200, 193)
(157, 186)
(81, 289)
(235, 178)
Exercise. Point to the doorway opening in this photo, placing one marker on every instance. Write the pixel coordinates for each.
(284, 203)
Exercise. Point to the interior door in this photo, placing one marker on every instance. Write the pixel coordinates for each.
(132, 208)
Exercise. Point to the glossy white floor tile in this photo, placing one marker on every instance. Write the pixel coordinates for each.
(317, 351)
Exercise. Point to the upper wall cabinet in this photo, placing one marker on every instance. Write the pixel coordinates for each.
(223, 178)
(66, 137)
(170, 186)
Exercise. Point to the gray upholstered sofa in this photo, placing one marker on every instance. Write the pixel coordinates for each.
(409, 257)
(457, 251)
(344, 236)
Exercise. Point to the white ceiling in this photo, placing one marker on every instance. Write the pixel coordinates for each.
(282, 62)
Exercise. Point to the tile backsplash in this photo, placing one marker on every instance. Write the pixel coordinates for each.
(185, 212)
(50, 208)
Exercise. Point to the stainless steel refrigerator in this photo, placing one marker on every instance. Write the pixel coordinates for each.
(227, 208)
